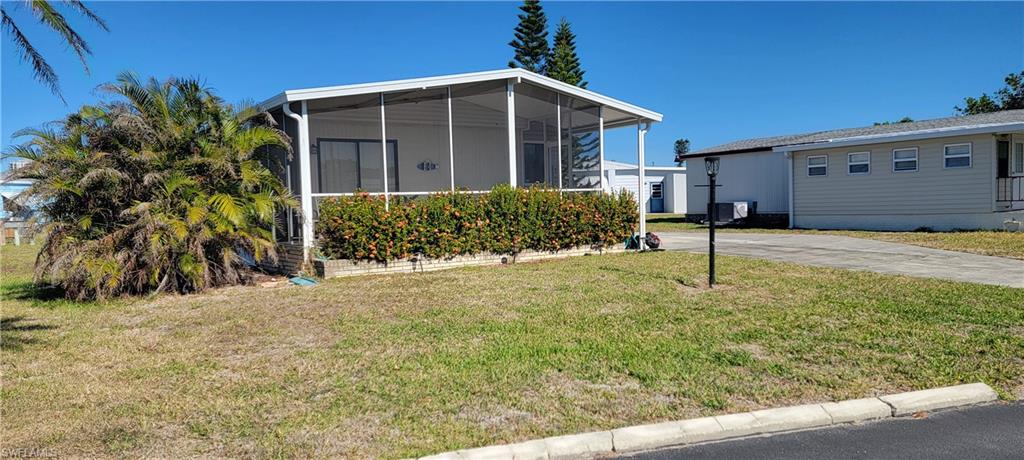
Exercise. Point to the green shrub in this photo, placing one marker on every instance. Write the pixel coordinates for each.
(443, 225)
(160, 188)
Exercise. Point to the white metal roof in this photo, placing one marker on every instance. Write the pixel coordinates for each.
(619, 165)
(294, 95)
(904, 136)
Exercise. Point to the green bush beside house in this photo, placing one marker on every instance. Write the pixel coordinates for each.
(505, 221)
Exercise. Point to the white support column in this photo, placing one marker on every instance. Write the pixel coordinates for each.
(384, 152)
(600, 147)
(306, 182)
(641, 131)
(789, 165)
(510, 92)
(305, 177)
(451, 142)
(558, 134)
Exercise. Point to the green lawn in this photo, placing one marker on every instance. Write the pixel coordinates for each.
(405, 365)
(989, 243)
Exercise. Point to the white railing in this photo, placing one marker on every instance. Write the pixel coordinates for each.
(1010, 190)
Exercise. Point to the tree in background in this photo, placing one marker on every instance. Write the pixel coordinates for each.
(901, 120)
(531, 38)
(681, 147)
(50, 18)
(1010, 97)
(161, 189)
(564, 64)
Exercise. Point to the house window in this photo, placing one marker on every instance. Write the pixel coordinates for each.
(1017, 161)
(817, 165)
(347, 165)
(656, 190)
(957, 155)
(904, 160)
(858, 163)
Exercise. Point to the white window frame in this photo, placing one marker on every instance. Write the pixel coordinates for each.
(917, 160)
(969, 155)
(809, 166)
(1014, 141)
(851, 163)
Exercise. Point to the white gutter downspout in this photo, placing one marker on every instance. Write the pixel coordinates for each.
(641, 132)
(789, 163)
(305, 182)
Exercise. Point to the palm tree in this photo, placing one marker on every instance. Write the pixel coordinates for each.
(163, 189)
(49, 17)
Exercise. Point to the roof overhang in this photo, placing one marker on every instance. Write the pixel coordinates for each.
(446, 80)
(904, 136)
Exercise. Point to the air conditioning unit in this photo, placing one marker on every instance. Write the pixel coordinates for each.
(734, 211)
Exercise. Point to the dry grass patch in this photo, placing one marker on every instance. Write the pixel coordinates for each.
(397, 366)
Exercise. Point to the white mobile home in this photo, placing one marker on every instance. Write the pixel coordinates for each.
(465, 132)
(949, 173)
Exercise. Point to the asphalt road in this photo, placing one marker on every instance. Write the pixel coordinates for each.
(984, 432)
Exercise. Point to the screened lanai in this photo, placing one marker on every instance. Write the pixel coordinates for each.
(465, 133)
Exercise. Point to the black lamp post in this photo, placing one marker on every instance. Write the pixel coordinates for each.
(711, 165)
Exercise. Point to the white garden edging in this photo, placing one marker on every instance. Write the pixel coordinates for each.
(705, 429)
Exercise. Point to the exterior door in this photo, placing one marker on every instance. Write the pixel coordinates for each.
(1017, 156)
(657, 197)
(533, 162)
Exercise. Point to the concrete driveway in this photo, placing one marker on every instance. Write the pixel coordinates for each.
(857, 254)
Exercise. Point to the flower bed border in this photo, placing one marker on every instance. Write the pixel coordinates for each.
(335, 268)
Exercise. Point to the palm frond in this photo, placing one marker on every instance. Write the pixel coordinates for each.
(41, 70)
(50, 17)
(81, 8)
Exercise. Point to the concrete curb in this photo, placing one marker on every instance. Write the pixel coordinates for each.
(705, 429)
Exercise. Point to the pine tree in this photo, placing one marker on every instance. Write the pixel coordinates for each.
(531, 38)
(564, 63)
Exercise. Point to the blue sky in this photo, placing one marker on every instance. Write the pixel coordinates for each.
(717, 71)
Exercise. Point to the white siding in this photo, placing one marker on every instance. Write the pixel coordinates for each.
(932, 189)
(758, 176)
(675, 193)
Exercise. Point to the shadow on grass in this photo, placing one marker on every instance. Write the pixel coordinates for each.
(30, 292)
(669, 219)
(17, 332)
(636, 274)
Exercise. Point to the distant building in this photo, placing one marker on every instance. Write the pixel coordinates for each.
(16, 217)
(962, 172)
(665, 186)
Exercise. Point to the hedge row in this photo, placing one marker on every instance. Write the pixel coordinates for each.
(505, 221)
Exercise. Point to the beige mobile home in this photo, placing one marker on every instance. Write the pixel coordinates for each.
(949, 173)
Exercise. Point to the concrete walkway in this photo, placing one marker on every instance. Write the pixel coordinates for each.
(857, 254)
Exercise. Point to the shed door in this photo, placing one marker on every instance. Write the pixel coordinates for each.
(657, 197)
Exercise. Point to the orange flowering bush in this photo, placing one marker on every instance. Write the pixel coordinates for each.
(505, 221)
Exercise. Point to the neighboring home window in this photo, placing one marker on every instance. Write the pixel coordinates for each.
(858, 163)
(904, 160)
(817, 165)
(957, 156)
(1017, 161)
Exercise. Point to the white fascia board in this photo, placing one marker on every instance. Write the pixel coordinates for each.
(905, 136)
(447, 80)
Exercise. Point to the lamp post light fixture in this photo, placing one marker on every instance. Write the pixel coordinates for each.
(711, 165)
